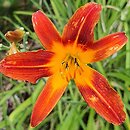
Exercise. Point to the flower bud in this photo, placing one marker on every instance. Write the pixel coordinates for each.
(14, 36)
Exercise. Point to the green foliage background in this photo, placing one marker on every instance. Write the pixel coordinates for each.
(71, 113)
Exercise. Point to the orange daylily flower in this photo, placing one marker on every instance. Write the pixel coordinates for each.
(66, 58)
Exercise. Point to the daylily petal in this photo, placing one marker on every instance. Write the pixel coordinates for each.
(100, 95)
(80, 27)
(45, 30)
(48, 98)
(28, 66)
(105, 47)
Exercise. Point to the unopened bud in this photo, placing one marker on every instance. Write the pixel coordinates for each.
(15, 36)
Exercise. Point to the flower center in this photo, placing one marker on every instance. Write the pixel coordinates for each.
(69, 66)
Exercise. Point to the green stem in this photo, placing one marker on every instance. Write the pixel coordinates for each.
(60, 111)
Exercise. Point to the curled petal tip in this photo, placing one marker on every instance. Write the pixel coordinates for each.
(123, 35)
(34, 123)
(37, 12)
(121, 120)
(95, 4)
(31, 125)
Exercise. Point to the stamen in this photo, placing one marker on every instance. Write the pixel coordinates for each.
(76, 62)
(66, 64)
(69, 67)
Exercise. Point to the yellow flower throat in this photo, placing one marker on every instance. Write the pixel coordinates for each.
(68, 60)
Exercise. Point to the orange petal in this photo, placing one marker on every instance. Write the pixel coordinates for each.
(100, 95)
(105, 47)
(80, 27)
(48, 98)
(45, 30)
(28, 66)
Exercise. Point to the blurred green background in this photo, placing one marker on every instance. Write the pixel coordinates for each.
(71, 112)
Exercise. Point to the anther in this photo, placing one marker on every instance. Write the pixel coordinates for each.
(66, 66)
(63, 62)
(76, 62)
